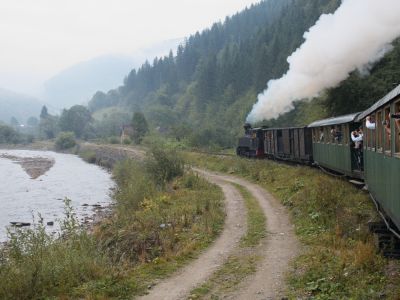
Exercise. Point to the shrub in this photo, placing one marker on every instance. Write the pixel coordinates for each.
(65, 140)
(163, 165)
(88, 156)
(9, 135)
(134, 185)
(113, 140)
(127, 141)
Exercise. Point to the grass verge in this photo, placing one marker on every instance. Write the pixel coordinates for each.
(243, 261)
(331, 216)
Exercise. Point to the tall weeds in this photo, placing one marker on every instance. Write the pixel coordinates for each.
(36, 265)
(162, 217)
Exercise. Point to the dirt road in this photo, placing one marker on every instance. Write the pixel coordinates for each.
(279, 248)
(180, 284)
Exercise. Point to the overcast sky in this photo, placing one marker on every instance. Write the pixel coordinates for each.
(39, 38)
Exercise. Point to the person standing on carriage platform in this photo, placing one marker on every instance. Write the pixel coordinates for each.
(357, 138)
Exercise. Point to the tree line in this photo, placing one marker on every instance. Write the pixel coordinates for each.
(204, 91)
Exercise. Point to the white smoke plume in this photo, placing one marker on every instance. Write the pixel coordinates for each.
(356, 35)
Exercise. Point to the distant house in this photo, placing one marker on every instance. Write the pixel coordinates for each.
(126, 132)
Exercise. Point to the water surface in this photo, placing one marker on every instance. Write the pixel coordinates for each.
(70, 177)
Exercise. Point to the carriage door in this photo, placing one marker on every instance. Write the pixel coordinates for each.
(279, 142)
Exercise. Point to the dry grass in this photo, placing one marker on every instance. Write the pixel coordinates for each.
(331, 219)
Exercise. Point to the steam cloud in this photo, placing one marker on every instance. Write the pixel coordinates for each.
(358, 34)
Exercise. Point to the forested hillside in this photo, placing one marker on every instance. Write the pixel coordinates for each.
(205, 90)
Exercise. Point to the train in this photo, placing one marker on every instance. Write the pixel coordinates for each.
(372, 159)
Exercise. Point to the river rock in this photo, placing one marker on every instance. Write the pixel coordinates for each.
(20, 224)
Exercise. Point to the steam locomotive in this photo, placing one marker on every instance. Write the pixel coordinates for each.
(328, 144)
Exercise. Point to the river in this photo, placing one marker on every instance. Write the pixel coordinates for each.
(24, 195)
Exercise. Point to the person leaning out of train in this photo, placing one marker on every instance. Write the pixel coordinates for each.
(357, 138)
(370, 123)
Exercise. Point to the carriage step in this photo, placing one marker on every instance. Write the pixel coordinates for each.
(357, 183)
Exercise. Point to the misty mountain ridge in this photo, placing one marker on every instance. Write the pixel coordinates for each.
(19, 106)
(78, 83)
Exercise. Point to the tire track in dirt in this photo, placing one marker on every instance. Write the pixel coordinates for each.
(179, 285)
(280, 247)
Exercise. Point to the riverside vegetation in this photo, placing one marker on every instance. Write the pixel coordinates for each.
(163, 216)
(340, 260)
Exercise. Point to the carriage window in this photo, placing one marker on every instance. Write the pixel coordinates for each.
(327, 132)
(379, 131)
(345, 134)
(370, 131)
(321, 135)
(366, 137)
(339, 134)
(387, 129)
(332, 135)
(397, 127)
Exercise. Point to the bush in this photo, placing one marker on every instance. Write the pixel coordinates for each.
(8, 135)
(163, 165)
(127, 141)
(134, 184)
(88, 156)
(113, 140)
(65, 140)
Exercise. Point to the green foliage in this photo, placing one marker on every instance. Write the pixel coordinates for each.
(88, 155)
(65, 140)
(304, 113)
(32, 121)
(140, 127)
(48, 127)
(108, 122)
(44, 113)
(78, 120)
(365, 90)
(113, 140)
(210, 137)
(127, 141)
(132, 194)
(164, 164)
(9, 135)
(214, 78)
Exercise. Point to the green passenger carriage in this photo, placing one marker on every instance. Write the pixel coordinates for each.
(382, 153)
(362, 145)
(332, 145)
